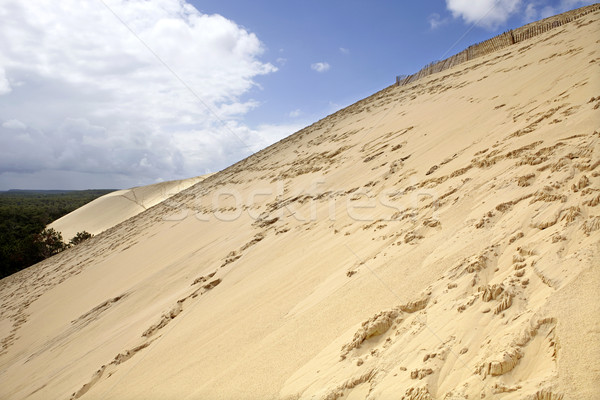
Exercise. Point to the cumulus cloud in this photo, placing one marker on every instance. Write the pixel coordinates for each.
(320, 66)
(484, 13)
(80, 94)
(344, 50)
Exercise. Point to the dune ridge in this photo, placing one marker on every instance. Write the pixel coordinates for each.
(116, 207)
(435, 240)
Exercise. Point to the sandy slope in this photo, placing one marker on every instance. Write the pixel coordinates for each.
(437, 240)
(116, 207)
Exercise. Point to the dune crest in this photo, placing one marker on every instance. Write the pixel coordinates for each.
(116, 207)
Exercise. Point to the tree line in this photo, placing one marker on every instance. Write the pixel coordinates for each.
(24, 215)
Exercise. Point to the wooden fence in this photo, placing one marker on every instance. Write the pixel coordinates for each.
(499, 42)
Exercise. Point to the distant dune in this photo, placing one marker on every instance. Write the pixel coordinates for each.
(116, 207)
(437, 240)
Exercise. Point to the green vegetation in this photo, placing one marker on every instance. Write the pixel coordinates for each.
(48, 243)
(80, 237)
(24, 215)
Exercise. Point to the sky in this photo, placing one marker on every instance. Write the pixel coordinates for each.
(122, 93)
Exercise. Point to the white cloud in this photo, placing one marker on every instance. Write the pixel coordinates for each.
(491, 14)
(344, 50)
(545, 12)
(484, 13)
(94, 101)
(296, 113)
(268, 134)
(320, 66)
(530, 12)
(435, 21)
(14, 124)
(281, 60)
(4, 83)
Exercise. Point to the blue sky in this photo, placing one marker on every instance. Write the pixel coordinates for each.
(365, 43)
(115, 93)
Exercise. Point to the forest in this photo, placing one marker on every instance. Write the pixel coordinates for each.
(24, 215)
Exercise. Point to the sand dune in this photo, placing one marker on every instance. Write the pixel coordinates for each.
(116, 207)
(438, 240)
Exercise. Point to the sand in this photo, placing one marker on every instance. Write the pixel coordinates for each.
(118, 206)
(438, 240)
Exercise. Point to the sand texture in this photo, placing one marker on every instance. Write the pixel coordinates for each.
(437, 240)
